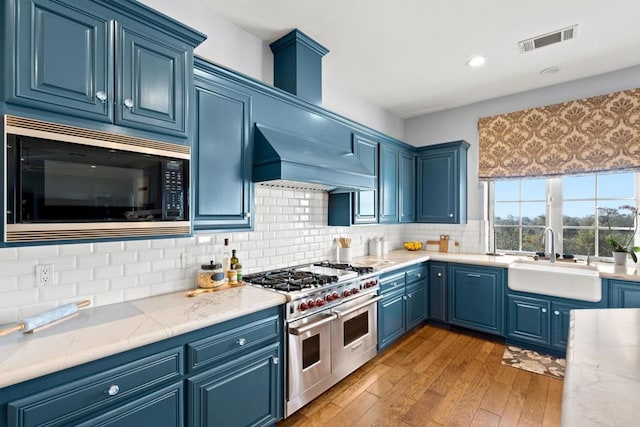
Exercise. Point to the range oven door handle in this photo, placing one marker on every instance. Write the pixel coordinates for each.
(305, 328)
(357, 307)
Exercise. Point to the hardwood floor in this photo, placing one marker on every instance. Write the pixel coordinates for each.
(435, 377)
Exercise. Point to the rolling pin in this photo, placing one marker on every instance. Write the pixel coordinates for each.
(46, 318)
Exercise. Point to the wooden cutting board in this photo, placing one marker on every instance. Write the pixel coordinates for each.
(443, 243)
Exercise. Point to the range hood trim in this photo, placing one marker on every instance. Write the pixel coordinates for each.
(281, 156)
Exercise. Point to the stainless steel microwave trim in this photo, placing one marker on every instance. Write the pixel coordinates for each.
(23, 233)
(76, 135)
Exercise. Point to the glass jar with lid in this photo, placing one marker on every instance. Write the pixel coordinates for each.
(210, 275)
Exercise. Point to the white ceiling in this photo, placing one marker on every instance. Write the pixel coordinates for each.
(409, 56)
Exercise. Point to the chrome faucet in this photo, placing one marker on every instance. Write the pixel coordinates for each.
(552, 255)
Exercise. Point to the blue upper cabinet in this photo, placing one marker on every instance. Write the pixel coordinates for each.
(407, 186)
(442, 183)
(221, 154)
(365, 207)
(113, 61)
(388, 183)
(63, 59)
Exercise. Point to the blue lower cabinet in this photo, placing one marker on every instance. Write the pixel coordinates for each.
(528, 319)
(624, 294)
(416, 304)
(163, 408)
(476, 296)
(391, 318)
(438, 291)
(404, 303)
(242, 392)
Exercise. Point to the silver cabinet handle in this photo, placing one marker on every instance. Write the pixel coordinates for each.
(450, 215)
(439, 274)
(246, 214)
(557, 313)
(242, 341)
(275, 360)
(473, 275)
(101, 95)
(419, 275)
(544, 310)
(357, 307)
(128, 103)
(113, 390)
(404, 297)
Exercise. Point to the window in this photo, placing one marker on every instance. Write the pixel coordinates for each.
(574, 206)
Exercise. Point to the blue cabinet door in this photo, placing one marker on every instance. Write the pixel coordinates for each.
(407, 186)
(63, 61)
(560, 317)
(623, 294)
(528, 319)
(391, 318)
(243, 392)
(442, 183)
(388, 184)
(476, 297)
(438, 291)
(153, 82)
(365, 203)
(416, 301)
(221, 158)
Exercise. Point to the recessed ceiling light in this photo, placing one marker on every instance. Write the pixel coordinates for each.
(476, 61)
(550, 70)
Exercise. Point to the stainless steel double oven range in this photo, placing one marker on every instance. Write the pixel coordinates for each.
(331, 324)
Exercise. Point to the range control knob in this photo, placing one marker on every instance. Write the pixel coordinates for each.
(319, 302)
(346, 293)
(311, 303)
(335, 295)
(354, 291)
(329, 297)
(303, 306)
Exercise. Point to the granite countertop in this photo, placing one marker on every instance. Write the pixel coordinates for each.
(602, 380)
(103, 331)
(401, 257)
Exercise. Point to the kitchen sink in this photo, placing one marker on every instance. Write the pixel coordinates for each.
(579, 282)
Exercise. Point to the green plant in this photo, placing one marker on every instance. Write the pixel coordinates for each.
(623, 245)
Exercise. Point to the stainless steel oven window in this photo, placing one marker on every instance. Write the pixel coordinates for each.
(355, 328)
(310, 351)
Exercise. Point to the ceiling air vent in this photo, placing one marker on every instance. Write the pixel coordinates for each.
(549, 38)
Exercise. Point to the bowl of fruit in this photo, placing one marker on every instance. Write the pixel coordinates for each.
(413, 246)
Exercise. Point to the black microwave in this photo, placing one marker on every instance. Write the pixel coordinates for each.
(67, 185)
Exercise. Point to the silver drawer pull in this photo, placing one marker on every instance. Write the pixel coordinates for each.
(128, 103)
(242, 341)
(557, 313)
(419, 275)
(275, 360)
(113, 390)
(450, 215)
(101, 95)
(544, 310)
(404, 297)
(439, 274)
(473, 275)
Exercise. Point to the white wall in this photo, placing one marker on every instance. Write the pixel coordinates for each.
(462, 122)
(239, 50)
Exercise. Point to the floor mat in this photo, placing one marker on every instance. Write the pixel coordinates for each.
(533, 361)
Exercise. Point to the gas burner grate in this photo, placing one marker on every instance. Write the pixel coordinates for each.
(290, 280)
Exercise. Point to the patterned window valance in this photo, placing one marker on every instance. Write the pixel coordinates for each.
(587, 135)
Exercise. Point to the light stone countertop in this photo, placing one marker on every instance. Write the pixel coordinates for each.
(107, 330)
(602, 380)
(103, 331)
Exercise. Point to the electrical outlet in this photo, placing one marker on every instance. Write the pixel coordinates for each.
(44, 274)
(186, 260)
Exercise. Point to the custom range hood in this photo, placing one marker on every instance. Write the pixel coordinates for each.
(290, 160)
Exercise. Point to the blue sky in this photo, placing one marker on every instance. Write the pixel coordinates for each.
(616, 187)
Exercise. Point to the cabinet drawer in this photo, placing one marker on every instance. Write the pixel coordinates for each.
(231, 342)
(416, 274)
(392, 283)
(62, 405)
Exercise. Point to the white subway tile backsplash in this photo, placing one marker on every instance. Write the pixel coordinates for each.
(9, 315)
(290, 229)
